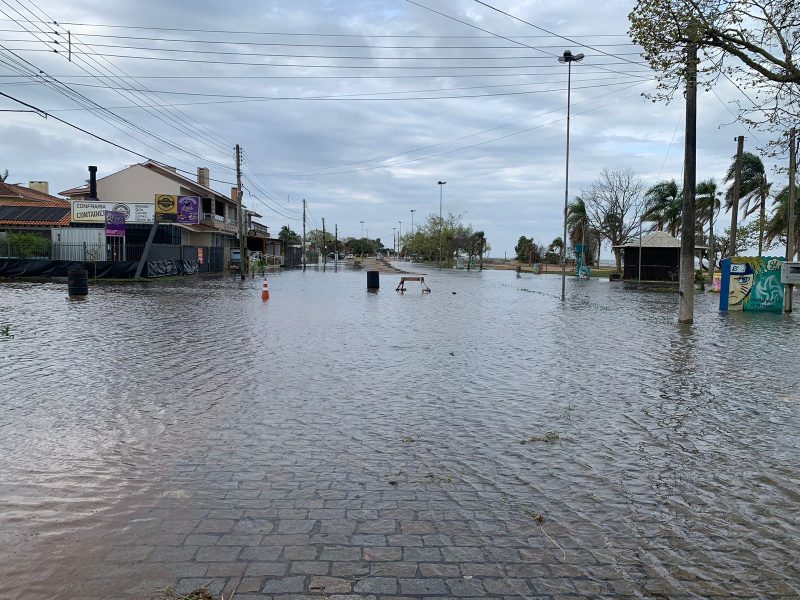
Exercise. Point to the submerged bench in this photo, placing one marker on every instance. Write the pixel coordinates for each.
(401, 287)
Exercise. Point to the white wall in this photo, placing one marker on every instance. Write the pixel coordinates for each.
(135, 184)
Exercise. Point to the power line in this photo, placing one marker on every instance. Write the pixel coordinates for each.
(337, 57)
(240, 32)
(171, 119)
(570, 40)
(229, 42)
(377, 96)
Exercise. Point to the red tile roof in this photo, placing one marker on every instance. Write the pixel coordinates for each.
(20, 192)
(24, 207)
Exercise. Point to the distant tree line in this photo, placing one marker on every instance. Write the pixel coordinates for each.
(445, 239)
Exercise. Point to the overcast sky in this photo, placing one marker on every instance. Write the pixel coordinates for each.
(383, 119)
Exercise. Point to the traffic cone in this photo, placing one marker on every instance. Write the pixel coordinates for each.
(265, 290)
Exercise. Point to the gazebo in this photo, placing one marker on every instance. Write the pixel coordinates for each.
(661, 257)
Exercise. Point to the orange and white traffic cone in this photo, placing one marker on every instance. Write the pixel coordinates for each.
(265, 290)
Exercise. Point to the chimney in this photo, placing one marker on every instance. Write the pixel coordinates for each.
(203, 177)
(93, 182)
(40, 186)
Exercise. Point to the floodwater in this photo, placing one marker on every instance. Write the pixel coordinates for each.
(184, 432)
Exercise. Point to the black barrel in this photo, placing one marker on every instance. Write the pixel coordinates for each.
(373, 280)
(78, 283)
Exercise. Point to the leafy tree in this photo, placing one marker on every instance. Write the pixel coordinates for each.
(289, 237)
(614, 204)
(750, 42)
(362, 246)
(746, 238)
(524, 248)
(447, 234)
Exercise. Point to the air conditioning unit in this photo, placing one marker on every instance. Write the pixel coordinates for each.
(790, 273)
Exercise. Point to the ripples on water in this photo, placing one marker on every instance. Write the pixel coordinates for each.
(677, 447)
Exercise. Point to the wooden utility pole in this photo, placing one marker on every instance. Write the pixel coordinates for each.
(304, 234)
(686, 290)
(243, 266)
(324, 246)
(737, 184)
(336, 248)
(790, 241)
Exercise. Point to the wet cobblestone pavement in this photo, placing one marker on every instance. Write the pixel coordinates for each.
(338, 444)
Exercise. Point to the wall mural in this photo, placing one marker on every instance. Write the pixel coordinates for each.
(751, 283)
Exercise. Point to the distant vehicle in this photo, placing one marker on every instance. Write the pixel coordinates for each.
(379, 256)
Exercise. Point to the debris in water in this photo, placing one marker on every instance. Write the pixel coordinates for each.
(392, 482)
(408, 439)
(550, 437)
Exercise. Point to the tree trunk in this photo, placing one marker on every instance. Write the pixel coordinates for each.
(761, 218)
(618, 258)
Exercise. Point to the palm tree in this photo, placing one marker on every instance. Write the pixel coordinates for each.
(578, 222)
(777, 225)
(663, 205)
(708, 205)
(753, 191)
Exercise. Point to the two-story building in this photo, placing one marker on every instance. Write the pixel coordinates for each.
(133, 189)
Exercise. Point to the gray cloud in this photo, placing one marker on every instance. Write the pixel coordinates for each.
(507, 187)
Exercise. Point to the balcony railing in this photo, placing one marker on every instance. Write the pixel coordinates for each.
(219, 222)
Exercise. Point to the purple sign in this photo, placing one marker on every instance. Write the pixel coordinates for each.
(115, 223)
(188, 210)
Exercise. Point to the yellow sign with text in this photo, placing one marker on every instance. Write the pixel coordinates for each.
(166, 208)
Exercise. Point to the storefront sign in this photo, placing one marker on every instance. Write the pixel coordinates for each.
(166, 208)
(188, 210)
(200, 255)
(95, 212)
(115, 223)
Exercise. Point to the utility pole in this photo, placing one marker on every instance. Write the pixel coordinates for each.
(324, 246)
(790, 241)
(243, 262)
(686, 290)
(304, 234)
(441, 223)
(737, 184)
(336, 248)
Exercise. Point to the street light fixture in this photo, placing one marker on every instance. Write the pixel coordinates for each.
(413, 210)
(362, 229)
(441, 225)
(399, 235)
(568, 58)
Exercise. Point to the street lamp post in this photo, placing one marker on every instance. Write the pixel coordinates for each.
(413, 210)
(394, 241)
(362, 229)
(441, 225)
(399, 235)
(568, 58)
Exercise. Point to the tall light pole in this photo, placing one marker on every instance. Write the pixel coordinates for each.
(441, 225)
(399, 235)
(413, 210)
(362, 229)
(394, 241)
(568, 58)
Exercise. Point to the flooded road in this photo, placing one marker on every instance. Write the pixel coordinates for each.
(334, 441)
